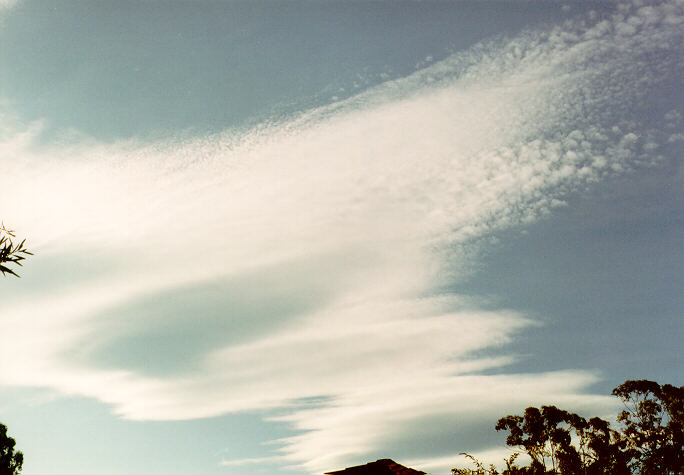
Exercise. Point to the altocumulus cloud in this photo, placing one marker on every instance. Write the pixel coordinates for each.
(388, 189)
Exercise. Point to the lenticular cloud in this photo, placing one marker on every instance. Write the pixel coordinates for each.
(386, 189)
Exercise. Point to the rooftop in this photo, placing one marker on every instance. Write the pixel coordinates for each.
(379, 467)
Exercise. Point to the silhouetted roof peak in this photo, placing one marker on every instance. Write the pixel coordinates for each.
(379, 467)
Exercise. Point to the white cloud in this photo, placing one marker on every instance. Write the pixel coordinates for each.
(252, 461)
(364, 419)
(397, 181)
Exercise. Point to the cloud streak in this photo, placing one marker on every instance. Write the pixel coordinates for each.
(389, 189)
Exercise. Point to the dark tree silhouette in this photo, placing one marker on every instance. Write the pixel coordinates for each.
(11, 252)
(651, 441)
(10, 461)
(653, 421)
(481, 469)
(559, 441)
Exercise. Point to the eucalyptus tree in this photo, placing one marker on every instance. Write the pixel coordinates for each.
(649, 439)
(11, 461)
(653, 425)
(11, 252)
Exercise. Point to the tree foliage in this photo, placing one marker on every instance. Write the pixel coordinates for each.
(11, 252)
(650, 440)
(653, 421)
(10, 460)
(481, 469)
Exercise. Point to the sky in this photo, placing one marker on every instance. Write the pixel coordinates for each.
(290, 237)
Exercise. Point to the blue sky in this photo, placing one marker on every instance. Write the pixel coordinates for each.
(289, 237)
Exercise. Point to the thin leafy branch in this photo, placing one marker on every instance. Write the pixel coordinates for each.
(11, 252)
